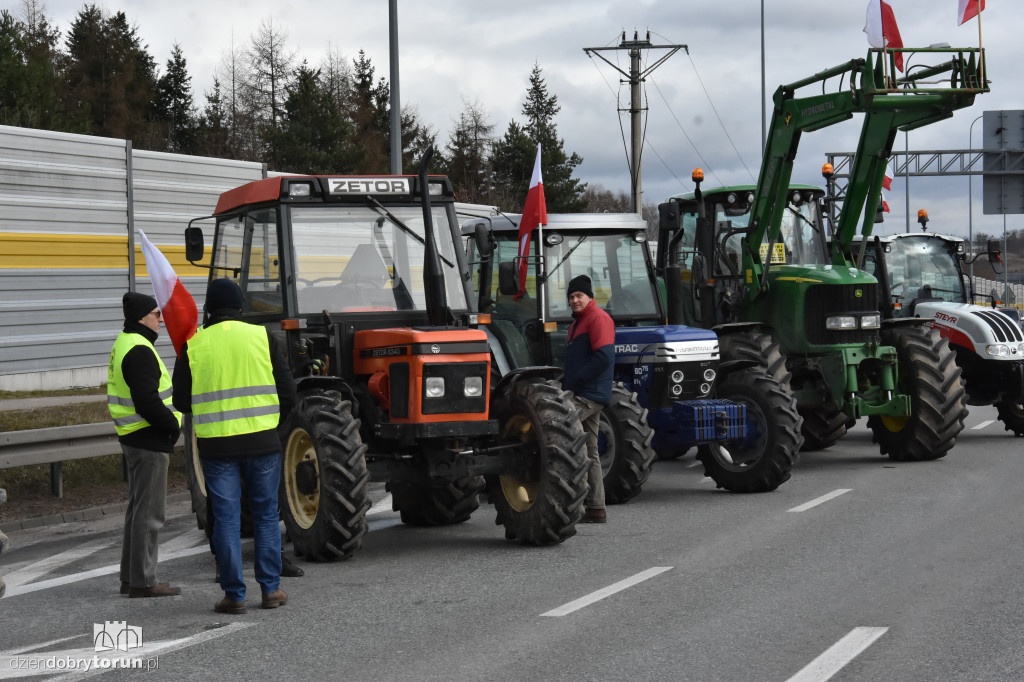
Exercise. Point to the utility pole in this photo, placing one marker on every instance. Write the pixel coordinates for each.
(396, 104)
(634, 77)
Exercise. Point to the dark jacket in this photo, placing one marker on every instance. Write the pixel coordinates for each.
(141, 372)
(590, 355)
(247, 444)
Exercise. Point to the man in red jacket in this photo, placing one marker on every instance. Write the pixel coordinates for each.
(589, 367)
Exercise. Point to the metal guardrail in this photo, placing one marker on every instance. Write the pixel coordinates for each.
(55, 445)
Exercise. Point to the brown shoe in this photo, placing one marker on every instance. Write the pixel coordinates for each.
(124, 587)
(158, 590)
(227, 605)
(275, 599)
(595, 516)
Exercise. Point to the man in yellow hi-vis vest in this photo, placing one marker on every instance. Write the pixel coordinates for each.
(139, 400)
(234, 379)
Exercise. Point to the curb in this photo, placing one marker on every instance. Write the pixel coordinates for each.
(117, 508)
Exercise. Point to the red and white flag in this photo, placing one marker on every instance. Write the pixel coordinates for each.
(968, 10)
(885, 206)
(882, 29)
(534, 213)
(176, 304)
(887, 181)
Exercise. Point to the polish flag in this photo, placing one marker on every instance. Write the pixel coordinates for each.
(534, 213)
(176, 304)
(882, 29)
(887, 181)
(885, 206)
(969, 9)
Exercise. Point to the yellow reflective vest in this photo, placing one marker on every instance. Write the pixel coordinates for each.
(119, 395)
(233, 388)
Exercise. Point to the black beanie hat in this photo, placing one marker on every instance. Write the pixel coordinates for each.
(223, 294)
(581, 284)
(136, 306)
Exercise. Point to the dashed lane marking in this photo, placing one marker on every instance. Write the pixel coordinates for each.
(824, 498)
(606, 592)
(983, 424)
(186, 540)
(838, 655)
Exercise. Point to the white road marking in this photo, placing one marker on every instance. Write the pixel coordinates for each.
(40, 568)
(694, 463)
(176, 552)
(824, 498)
(606, 592)
(38, 645)
(79, 659)
(983, 424)
(186, 540)
(838, 655)
(382, 505)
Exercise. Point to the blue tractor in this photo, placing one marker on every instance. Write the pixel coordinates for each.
(672, 391)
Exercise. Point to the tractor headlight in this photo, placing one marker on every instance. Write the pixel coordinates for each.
(841, 322)
(434, 387)
(871, 321)
(709, 375)
(677, 376)
(998, 350)
(1020, 348)
(473, 387)
(676, 390)
(705, 388)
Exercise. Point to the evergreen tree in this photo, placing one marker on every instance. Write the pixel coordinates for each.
(313, 135)
(213, 132)
(111, 77)
(29, 79)
(513, 155)
(467, 164)
(367, 110)
(174, 108)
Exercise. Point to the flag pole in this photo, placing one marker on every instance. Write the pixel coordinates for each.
(981, 50)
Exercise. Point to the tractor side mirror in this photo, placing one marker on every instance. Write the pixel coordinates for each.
(995, 257)
(507, 282)
(483, 239)
(194, 248)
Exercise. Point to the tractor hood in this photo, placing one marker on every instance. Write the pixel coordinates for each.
(670, 343)
(989, 333)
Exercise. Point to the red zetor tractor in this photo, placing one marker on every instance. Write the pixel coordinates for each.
(362, 279)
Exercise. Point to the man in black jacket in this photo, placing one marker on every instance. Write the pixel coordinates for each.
(139, 400)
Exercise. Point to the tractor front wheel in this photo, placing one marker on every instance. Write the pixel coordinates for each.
(624, 445)
(541, 507)
(436, 504)
(1011, 413)
(324, 495)
(762, 460)
(928, 373)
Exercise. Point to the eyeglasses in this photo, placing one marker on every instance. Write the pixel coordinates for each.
(157, 313)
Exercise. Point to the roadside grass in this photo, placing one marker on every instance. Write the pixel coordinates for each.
(59, 415)
(88, 390)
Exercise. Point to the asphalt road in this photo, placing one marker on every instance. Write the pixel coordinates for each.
(858, 568)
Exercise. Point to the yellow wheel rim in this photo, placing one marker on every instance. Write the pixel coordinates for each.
(520, 494)
(895, 424)
(300, 449)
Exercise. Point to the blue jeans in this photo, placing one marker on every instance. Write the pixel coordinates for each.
(224, 488)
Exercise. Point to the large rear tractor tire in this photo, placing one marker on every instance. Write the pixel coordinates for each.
(324, 495)
(624, 444)
(928, 373)
(762, 461)
(1011, 413)
(427, 504)
(821, 430)
(543, 507)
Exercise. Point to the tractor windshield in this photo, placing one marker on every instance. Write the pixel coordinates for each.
(801, 238)
(354, 258)
(922, 268)
(616, 264)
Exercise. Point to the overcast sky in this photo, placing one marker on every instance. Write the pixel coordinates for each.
(703, 107)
